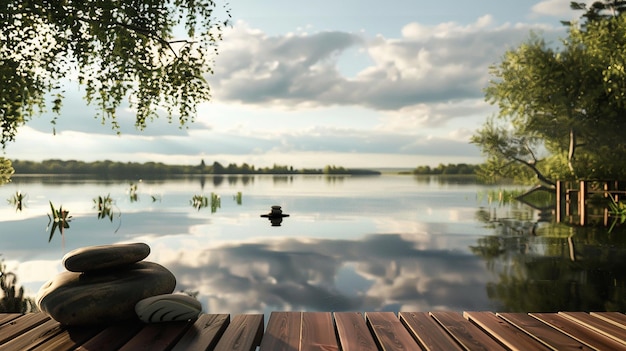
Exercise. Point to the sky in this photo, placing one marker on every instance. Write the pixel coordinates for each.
(353, 83)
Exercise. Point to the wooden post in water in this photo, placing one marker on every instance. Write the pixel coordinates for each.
(582, 202)
(568, 201)
(559, 200)
(607, 187)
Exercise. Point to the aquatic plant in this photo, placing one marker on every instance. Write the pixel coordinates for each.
(617, 209)
(60, 219)
(238, 198)
(216, 202)
(13, 299)
(202, 201)
(132, 192)
(104, 205)
(199, 201)
(499, 196)
(17, 200)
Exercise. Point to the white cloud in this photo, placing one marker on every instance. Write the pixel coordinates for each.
(417, 31)
(556, 8)
(324, 96)
(428, 64)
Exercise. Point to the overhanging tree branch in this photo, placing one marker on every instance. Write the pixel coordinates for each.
(570, 99)
(115, 46)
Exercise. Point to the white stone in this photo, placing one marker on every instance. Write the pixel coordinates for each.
(168, 308)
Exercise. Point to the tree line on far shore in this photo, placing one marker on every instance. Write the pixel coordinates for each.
(460, 168)
(157, 169)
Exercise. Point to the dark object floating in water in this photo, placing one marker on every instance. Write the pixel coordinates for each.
(275, 216)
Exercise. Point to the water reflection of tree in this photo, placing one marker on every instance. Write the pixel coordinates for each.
(217, 180)
(564, 268)
(445, 179)
(280, 179)
(12, 299)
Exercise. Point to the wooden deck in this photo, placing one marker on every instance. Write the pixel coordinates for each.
(330, 331)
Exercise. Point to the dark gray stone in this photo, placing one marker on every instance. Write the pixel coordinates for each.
(104, 257)
(103, 297)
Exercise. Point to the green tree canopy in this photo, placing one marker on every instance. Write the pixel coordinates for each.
(118, 50)
(562, 110)
(6, 170)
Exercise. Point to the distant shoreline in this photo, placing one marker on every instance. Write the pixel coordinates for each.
(114, 169)
(147, 170)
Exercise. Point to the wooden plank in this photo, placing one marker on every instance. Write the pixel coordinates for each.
(243, 333)
(616, 318)
(68, 339)
(112, 338)
(464, 332)
(389, 331)
(157, 336)
(204, 333)
(579, 332)
(20, 325)
(354, 335)
(318, 332)
(7, 317)
(598, 325)
(428, 332)
(545, 334)
(507, 334)
(283, 332)
(33, 337)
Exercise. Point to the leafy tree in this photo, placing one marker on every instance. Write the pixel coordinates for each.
(6, 170)
(217, 168)
(562, 111)
(461, 168)
(118, 50)
(598, 9)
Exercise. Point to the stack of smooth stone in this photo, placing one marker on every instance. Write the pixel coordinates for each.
(111, 283)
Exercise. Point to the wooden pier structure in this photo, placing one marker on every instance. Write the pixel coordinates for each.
(573, 200)
(324, 331)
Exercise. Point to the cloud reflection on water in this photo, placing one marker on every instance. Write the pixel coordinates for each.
(354, 243)
(378, 272)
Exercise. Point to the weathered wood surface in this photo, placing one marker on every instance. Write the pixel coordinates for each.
(326, 331)
(283, 332)
(466, 333)
(505, 333)
(428, 332)
(579, 332)
(353, 333)
(389, 331)
(551, 337)
(244, 333)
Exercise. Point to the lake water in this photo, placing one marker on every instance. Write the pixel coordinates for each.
(375, 243)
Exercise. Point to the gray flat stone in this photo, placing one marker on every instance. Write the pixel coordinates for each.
(104, 297)
(102, 257)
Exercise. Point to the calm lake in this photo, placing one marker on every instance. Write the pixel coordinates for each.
(371, 243)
